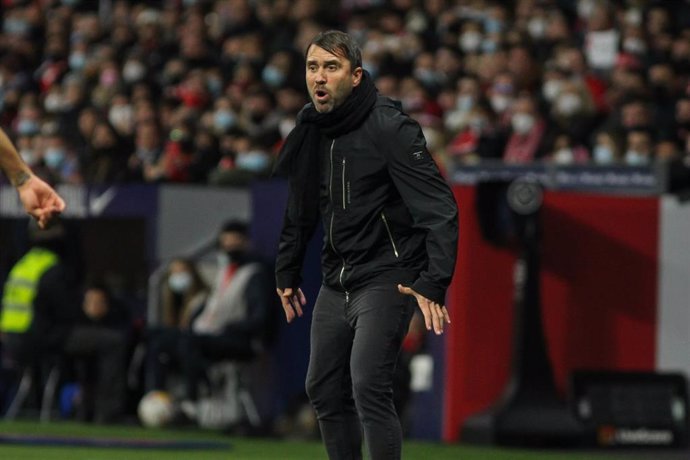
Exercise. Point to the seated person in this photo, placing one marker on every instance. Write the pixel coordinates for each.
(183, 293)
(102, 313)
(42, 315)
(234, 321)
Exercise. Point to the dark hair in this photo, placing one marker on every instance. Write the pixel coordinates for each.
(235, 226)
(340, 44)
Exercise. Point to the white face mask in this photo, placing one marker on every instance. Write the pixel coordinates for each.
(180, 282)
(522, 122)
(568, 104)
(551, 89)
(121, 115)
(602, 155)
(28, 156)
(536, 27)
(635, 158)
(563, 156)
(470, 41)
(500, 103)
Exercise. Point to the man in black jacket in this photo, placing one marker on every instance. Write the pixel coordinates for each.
(391, 230)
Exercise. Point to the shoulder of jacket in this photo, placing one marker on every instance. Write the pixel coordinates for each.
(387, 111)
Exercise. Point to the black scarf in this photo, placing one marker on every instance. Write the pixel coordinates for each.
(299, 157)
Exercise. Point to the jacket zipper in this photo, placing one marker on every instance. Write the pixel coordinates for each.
(390, 235)
(330, 230)
(344, 189)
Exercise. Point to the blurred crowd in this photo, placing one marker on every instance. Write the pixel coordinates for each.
(204, 91)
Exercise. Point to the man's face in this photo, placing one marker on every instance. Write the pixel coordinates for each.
(330, 78)
(232, 241)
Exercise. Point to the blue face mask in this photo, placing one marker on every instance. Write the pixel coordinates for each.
(602, 155)
(492, 26)
(53, 157)
(27, 127)
(16, 26)
(223, 119)
(77, 61)
(634, 158)
(272, 76)
(253, 161)
(215, 86)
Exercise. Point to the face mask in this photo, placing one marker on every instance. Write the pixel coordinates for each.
(28, 156)
(493, 26)
(120, 115)
(286, 126)
(235, 255)
(253, 161)
(522, 122)
(223, 119)
(77, 61)
(426, 76)
(585, 8)
(215, 86)
(27, 127)
(54, 156)
(563, 156)
(470, 41)
(15, 26)
(635, 158)
(551, 89)
(568, 104)
(180, 282)
(53, 102)
(133, 71)
(633, 17)
(634, 46)
(603, 155)
(536, 27)
(500, 103)
(489, 46)
(272, 76)
(464, 103)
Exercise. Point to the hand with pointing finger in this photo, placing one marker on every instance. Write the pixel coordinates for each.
(435, 315)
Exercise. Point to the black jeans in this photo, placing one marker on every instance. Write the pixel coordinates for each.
(354, 349)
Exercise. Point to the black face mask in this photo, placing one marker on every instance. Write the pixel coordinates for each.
(236, 255)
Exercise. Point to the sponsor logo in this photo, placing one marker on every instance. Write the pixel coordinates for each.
(611, 436)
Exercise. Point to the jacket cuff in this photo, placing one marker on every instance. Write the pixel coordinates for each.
(430, 291)
(286, 280)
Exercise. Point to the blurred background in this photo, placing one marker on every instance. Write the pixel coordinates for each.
(159, 122)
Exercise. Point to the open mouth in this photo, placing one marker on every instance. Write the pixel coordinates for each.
(321, 95)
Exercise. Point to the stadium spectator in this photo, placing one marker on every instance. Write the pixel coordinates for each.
(233, 324)
(46, 317)
(171, 62)
(182, 295)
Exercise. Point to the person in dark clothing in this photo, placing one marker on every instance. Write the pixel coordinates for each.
(43, 316)
(391, 234)
(234, 320)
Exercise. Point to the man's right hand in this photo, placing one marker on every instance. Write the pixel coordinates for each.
(292, 303)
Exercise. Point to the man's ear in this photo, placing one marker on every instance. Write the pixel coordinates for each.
(357, 76)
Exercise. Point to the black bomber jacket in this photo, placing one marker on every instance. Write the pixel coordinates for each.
(388, 214)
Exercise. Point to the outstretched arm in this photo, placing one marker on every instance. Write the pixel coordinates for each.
(38, 198)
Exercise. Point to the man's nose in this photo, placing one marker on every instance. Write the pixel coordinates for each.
(320, 76)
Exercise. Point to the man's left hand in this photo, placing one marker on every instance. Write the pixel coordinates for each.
(434, 314)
